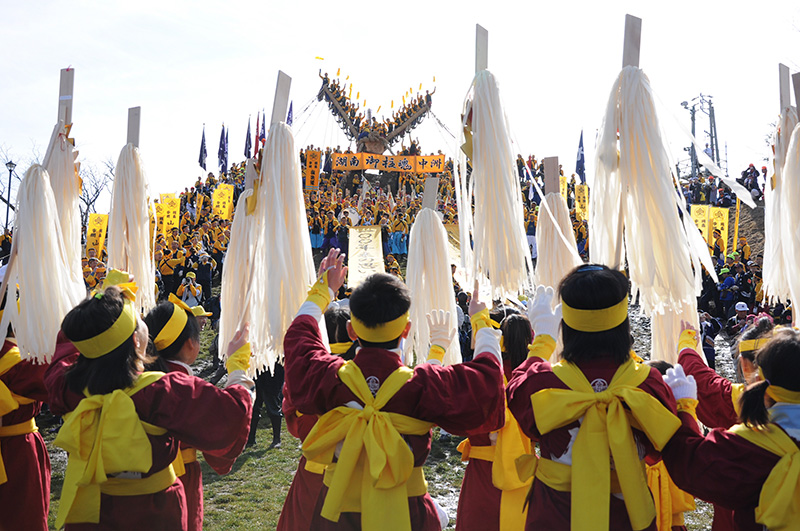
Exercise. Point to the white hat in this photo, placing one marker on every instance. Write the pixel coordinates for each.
(741, 307)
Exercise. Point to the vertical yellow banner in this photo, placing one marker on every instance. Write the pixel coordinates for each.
(163, 198)
(222, 201)
(700, 214)
(366, 254)
(582, 202)
(159, 215)
(198, 207)
(313, 159)
(172, 209)
(562, 187)
(736, 225)
(96, 233)
(719, 221)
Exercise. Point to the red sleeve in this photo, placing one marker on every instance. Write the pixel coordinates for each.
(199, 414)
(721, 468)
(465, 399)
(59, 398)
(311, 371)
(715, 407)
(298, 424)
(26, 378)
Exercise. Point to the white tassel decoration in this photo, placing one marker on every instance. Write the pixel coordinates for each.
(287, 244)
(634, 207)
(130, 242)
(501, 251)
(59, 161)
(556, 258)
(790, 223)
(776, 275)
(428, 276)
(40, 269)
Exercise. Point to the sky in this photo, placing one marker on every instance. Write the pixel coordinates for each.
(205, 63)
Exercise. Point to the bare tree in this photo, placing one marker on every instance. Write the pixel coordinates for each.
(95, 182)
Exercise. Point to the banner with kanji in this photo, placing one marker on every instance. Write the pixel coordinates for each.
(198, 207)
(96, 233)
(312, 169)
(172, 211)
(563, 188)
(222, 201)
(582, 202)
(366, 254)
(718, 220)
(159, 218)
(163, 198)
(401, 163)
(700, 217)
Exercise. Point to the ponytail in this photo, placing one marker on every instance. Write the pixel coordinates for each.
(753, 411)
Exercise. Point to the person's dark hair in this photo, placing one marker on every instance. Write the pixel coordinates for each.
(517, 335)
(156, 320)
(116, 370)
(779, 361)
(594, 287)
(762, 328)
(660, 365)
(379, 299)
(336, 323)
(501, 311)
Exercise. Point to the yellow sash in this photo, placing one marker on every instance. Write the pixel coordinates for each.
(375, 469)
(511, 445)
(670, 501)
(104, 436)
(779, 501)
(10, 401)
(605, 434)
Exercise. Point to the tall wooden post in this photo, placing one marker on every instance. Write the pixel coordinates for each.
(430, 194)
(481, 48)
(65, 95)
(785, 90)
(280, 104)
(134, 120)
(632, 43)
(551, 181)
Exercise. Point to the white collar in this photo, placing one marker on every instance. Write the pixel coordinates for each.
(182, 364)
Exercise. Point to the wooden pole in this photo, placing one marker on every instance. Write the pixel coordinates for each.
(796, 83)
(430, 193)
(551, 181)
(280, 105)
(736, 224)
(632, 43)
(481, 48)
(785, 90)
(134, 120)
(65, 95)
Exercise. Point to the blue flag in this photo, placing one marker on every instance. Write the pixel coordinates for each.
(247, 143)
(290, 116)
(263, 136)
(222, 153)
(203, 153)
(580, 165)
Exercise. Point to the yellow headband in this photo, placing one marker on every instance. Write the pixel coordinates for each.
(175, 325)
(780, 394)
(752, 344)
(382, 333)
(595, 320)
(111, 339)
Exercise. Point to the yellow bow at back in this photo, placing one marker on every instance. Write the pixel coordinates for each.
(374, 457)
(103, 436)
(779, 501)
(605, 434)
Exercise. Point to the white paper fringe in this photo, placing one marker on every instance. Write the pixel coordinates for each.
(790, 213)
(778, 211)
(501, 251)
(60, 163)
(428, 276)
(129, 237)
(634, 208)
(40, 269)
(556, 259)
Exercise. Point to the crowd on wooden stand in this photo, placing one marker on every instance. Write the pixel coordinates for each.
(706, 190)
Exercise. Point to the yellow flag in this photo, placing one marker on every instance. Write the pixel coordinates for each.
(434, 79)
(392, 104)
(379, 107)
(420, 86)
(222, 201)
(338, 72)
(96, 233)
(320, 58)
(350, 95)
(358, 95)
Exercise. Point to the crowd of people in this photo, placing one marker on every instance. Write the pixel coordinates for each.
(707, 190)
(404, 119)
(538, 436)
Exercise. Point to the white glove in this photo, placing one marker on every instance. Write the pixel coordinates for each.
(543, 319)
(440, 328)
(682, 386)
(239, 377)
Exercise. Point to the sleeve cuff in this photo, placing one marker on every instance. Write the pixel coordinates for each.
(542, 347)
(487, 340)
(436, 355)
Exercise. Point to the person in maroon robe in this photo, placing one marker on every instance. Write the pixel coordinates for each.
(191, 410)
(463, 399)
